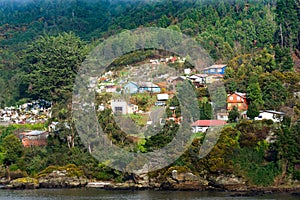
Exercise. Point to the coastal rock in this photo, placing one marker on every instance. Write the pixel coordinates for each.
(100, 184)
(61, 179)
(227, 182)
(141, 180)
(184, 181)
(23, 183)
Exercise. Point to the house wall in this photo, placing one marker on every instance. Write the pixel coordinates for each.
(149, 89)
(222, 116)
(215, 71)
(237, 101)
(132, 108)
(240, 106)
(196, 129)
(117, 104)
(131, 88)
(267, 115)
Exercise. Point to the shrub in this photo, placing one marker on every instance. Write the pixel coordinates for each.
(296, 175)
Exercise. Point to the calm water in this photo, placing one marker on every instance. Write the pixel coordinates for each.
(92, 194)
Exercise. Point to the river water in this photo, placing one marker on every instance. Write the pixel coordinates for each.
(93, 194)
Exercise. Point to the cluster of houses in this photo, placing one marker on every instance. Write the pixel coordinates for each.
(40, 111)
(171, 59)
(238, 100)
(28, 113)
(210, 75)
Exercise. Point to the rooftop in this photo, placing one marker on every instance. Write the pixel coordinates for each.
(216, 66)
(33, 133)
(206, 123)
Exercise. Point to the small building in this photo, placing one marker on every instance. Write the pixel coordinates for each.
(203, 125)
(273, 115)
(34, 138)
(122, 107)
(215, 69)
(222, 116)
(148, 87)
(131, 88)
(238, 100)
(213, 78)
(187, 71)
(162, 97)
(113, 89)
(198, 78)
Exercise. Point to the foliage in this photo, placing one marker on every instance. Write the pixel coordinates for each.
(288, 146)
(71, 170)
(220, 157)
(274, 93)
(239, 34)
(254, 94)
(250, 163)
(13, 149)
(53, 63)
(234, 115)
(205, 110)
(253, 110)
(252, 132)
(283, 58)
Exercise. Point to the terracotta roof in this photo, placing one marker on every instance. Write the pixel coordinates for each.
(206, 123)
(201, 75)
(217, 75)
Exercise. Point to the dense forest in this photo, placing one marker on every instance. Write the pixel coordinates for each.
(258, 39)
(225, 29)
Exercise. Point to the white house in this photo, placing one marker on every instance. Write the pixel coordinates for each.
(270, 114)
(222, 116)
(162, 97)
(121, 106)
(203, 125)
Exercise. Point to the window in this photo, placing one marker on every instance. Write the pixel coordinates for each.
(219, 70)
(119, 109)
(238, 98)
(212, 70)
(231, 98)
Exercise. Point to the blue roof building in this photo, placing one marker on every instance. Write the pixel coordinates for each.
(215, 69)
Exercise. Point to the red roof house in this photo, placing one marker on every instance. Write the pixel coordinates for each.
(203, 125)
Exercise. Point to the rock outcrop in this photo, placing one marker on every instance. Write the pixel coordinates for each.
(184, 181)
(23, 183)
(61, 179)
(227, 182)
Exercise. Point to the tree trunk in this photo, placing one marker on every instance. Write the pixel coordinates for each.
(281, 35)
(284, 170)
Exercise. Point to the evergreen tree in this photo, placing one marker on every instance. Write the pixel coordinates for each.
(283, 59)
(288, 21)
(253, 110)
(13, 149)
(233, 115)
(254, 93)
(54, 62)
(274, 93)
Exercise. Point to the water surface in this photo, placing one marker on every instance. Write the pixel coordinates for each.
(93, 194)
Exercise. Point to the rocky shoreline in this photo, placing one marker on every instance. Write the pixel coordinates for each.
(176, 181)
